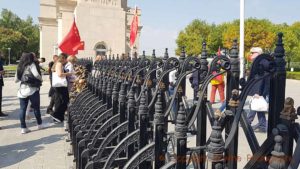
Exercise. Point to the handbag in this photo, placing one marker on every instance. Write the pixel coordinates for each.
(58, 81)
(259, 104)
(29, 79)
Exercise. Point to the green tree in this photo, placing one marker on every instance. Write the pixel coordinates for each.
(230, 33)
(10, 20)
(258, 33)
(215, 37)
(23, 34)
(192, 37)
(31, 31)
(14, 40)
(295, 53)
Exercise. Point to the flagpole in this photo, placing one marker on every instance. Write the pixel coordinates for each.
(242, 37)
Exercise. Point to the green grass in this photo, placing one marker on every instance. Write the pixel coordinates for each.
(10, 67)
(293, 75)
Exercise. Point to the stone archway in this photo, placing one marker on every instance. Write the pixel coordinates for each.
(100, 48)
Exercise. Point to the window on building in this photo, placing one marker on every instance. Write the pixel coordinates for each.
(100, 49)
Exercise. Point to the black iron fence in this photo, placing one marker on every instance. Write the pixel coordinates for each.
(122, 119)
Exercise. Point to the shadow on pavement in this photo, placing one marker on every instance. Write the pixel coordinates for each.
(15, 153)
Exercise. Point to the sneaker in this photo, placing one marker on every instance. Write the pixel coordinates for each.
(25, 130)
(43, 126)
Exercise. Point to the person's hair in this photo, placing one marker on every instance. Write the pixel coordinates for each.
(54, 56)
(72, 59)
(25, 60)
(256, 50)
(62, 57)
(43, 60)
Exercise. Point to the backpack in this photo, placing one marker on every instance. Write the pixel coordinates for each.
(29, 79)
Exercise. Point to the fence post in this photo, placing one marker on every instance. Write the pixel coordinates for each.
(215, 148)
(99, 87)
(104, 89)
(131, 119)
(159, 134)
(232, 85)
(181, 138)
(122, 103)
(202, 117)
(108, 94)
(181, 90)
(143, 123)
(277, 86)
(287, 119)
(115, 94)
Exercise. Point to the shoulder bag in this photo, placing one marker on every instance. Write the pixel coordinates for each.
(58, 81)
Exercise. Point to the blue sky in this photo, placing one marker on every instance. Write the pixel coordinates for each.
(163, 19)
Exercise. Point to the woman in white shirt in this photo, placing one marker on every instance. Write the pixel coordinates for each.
(61, 94)
(29, 90)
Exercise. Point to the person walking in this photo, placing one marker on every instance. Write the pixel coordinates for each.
(172, 80)
(59, 84)
(2, 72)
(260, 89)
(30, 78)
(51, 90)
(217, 83)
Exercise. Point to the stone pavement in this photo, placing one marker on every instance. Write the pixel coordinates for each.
(47, 149)
(39, 149)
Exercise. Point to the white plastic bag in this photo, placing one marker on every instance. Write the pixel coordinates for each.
(258, 103)
(58, 81)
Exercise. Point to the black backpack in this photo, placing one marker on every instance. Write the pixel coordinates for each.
(29, 79)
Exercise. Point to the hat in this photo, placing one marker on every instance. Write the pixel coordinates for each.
(256, 50)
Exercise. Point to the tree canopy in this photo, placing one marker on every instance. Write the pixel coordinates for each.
(258, 33)
(21, 35)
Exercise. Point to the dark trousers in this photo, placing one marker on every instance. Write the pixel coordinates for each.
(61, 100)
(1, 98)
(175, 103)
(35, 104)
(51, 95)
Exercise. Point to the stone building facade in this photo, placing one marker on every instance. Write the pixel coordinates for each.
(104, 26)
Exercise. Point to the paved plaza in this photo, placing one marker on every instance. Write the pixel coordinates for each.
(47, 149)
(39, 149)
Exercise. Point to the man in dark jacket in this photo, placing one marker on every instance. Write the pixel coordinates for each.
(260, 89)
(1, 85)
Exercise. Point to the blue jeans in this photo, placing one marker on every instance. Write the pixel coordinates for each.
(262, 121)
(35, 104)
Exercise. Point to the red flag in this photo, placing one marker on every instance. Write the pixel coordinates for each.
(72, 42)
(134, 28)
